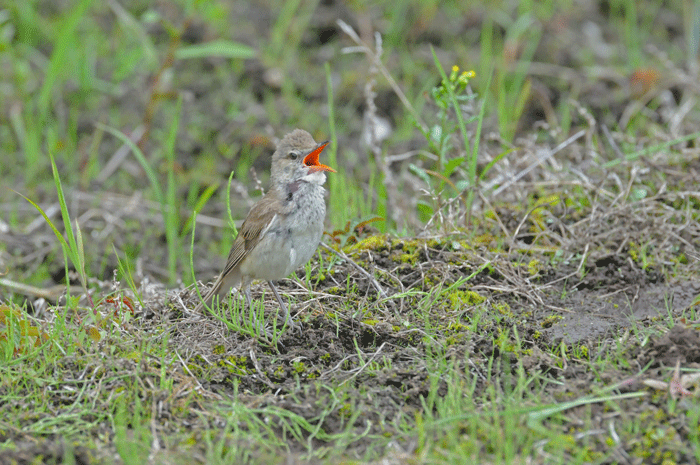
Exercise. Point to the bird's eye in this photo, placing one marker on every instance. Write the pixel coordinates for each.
(293, 155)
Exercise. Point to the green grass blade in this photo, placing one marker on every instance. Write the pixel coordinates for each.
(477, 136)
(165, 207)
(58, 60)
(215, 48)
(155, 183)
(194, 278)
(231, 222)
(58, 234)
(653, 149)
(64, 208)
(493, 162)
(80, 253)
(340, 192)
(201, 202)
(126, 274)
(172, 208)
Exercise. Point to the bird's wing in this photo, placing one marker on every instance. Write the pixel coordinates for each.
(259, 220)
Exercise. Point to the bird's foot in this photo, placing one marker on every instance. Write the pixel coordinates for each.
(290, 323)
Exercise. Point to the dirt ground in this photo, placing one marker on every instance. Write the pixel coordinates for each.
(565, 309)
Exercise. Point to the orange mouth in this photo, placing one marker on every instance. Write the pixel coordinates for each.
(311, 160)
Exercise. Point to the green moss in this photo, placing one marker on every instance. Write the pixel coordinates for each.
(431, 281)
(198, 366)
(456, 333)
(583, 351)
(550, 321)
(634, 251)
(219, 349)
(457, 327)
(435, 243)
(370, 322)
(195, 370)
(657, 442)
(490, 215)
(503, 308)
(639, 254)
(406, 251)
(551, 200)
(534, 267)
(134, 356)
(482, 239)
(504, 342)
(459, 298)
(345, 411)
(235, 365)
(190, 441)
(298, 367)
(369, 243)
(406, 244)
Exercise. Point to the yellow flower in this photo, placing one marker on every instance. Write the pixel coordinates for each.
(455, 69)
(464, 78)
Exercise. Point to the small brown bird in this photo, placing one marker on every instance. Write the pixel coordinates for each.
(282, 231)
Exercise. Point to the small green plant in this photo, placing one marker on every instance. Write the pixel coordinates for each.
(132, 435)
(72, 245)
(454, 87)
(17, 332)
(512, 57)
(449, 97)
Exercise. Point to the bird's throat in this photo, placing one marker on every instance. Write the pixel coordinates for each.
(311, 179)
(315, 177)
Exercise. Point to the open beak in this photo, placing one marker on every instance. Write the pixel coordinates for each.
(311, 160)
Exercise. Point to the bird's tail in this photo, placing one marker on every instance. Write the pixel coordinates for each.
(208, 297)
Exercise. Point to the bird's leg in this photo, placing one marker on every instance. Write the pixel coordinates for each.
(287, 316)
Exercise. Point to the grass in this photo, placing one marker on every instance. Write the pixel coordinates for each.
(512, 86)
(445, 348)
(449, 424)
(72, 245)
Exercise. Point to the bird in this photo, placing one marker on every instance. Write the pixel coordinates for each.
(284, 228)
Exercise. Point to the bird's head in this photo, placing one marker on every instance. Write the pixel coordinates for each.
(296, 159)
